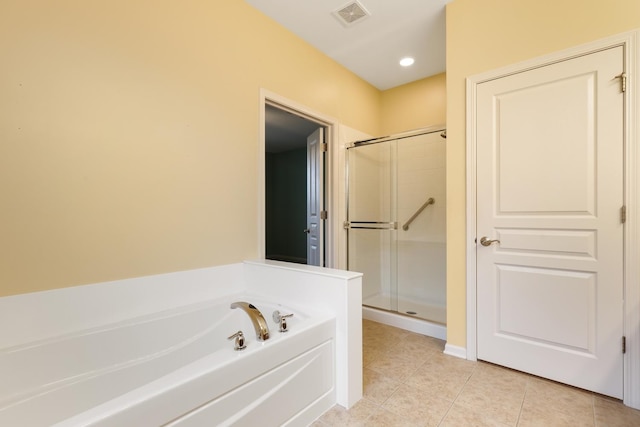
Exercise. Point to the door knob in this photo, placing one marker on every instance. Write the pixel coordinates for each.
(486, 242)
(306, 230)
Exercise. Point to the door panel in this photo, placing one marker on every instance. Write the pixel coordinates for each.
(523, 296)
(550, 188)
(532, 160)
(549, 243)
(315, 177)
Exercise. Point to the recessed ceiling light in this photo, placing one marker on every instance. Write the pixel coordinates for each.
(407, 62)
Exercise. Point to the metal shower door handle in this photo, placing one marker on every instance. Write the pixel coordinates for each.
(486, 242)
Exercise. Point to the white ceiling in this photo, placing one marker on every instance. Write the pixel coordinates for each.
(372, 46)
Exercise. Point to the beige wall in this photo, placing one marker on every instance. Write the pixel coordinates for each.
(486, 34)
(129, 133)
(414, 105)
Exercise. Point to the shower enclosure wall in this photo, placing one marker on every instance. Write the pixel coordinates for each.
(396, 222)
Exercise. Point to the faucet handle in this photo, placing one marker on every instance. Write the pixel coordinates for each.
(281, 319)
(239, 344)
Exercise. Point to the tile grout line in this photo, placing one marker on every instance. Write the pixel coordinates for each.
(526, 390)
(444, 417)
(458, 394)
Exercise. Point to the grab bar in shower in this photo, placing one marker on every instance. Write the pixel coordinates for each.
(429, 201)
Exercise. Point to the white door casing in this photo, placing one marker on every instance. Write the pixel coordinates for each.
(334, 190)
(550, 144)
(315, 195)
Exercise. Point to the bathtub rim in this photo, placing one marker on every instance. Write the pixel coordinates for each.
(255, 299)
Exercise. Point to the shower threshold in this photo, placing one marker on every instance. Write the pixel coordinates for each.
(406, 322)
(408, 307)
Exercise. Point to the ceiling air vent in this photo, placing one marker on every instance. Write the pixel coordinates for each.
(351, 13)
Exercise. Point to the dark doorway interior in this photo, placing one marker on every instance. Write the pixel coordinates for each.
(286, 184)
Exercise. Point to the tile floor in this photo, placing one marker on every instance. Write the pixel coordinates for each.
(408, 381)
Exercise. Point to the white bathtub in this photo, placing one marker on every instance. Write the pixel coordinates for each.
(176, 367)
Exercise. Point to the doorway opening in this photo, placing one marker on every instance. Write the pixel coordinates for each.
(294, 186)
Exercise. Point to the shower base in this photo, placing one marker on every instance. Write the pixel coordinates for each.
(428, 319)
(429, 312)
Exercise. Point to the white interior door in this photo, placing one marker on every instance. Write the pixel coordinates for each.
(549, 193)
(315, 198)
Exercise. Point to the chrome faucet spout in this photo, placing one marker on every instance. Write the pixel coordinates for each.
(259, 324)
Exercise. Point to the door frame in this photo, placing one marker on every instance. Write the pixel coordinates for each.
(631, 308)
(330, 194)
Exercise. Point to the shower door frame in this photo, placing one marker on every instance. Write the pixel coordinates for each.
(390, 225)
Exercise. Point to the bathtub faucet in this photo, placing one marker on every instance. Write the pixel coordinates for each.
(260, 325)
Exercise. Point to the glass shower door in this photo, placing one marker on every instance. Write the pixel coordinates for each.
(396, 223)
(372, 248)
(421, 249)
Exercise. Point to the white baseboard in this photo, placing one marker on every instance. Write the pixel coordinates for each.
(455, 351)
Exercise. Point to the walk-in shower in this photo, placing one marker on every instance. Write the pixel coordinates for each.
(396, 221)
